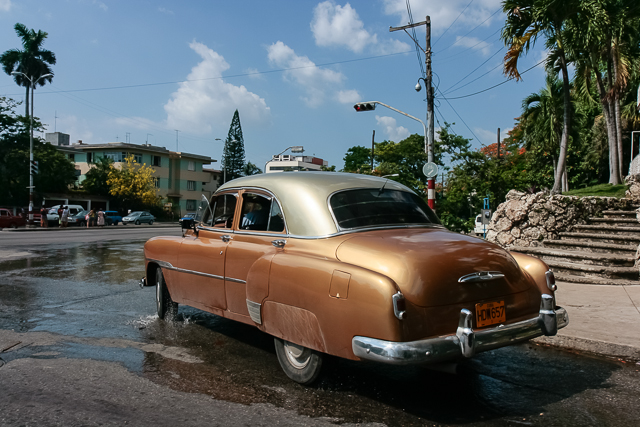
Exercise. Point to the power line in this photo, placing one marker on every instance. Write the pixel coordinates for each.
(492, 87)
(474, 70)
(473, 29)
(454, 21)
(280, 70)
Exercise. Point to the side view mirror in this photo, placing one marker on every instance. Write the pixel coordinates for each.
(188, 223)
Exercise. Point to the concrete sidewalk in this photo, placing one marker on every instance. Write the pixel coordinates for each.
(603, 320)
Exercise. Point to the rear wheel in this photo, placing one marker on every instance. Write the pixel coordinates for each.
(151, 222)
(301, 364)
(167, 309)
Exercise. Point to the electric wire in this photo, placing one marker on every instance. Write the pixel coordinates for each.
(473, 29)
(450, 89)
(415, 38)
(454, 21)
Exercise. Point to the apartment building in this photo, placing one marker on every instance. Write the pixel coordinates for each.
(179, 177)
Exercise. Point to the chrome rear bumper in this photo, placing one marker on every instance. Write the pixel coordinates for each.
(465, 342)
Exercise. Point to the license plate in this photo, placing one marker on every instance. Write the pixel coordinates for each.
(490, 313)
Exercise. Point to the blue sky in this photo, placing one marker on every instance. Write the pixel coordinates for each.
(139, 70)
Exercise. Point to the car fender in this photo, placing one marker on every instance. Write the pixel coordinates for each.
(161, 251)
(535, 268)
(322, 303)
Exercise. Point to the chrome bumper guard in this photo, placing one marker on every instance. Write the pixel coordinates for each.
(465, 342)
(143, 282)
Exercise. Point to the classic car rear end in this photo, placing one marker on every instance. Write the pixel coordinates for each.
(349, 265)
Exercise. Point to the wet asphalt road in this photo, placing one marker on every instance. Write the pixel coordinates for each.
(80, 345)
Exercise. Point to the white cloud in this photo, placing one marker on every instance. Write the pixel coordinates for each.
(254, 73)
(444, 13)
(394, 132)
(5, 5)
(165, 10)
(206, 101)
(335, 25)
(348, 96)
(315, 81)
(475, 43)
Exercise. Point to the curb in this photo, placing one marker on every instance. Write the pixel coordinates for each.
(595, 347)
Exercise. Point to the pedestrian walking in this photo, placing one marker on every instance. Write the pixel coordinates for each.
(64, 219)
(100, 218)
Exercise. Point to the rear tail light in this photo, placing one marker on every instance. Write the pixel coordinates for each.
(399, 305)
(551, 280)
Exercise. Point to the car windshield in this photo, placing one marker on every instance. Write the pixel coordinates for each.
(372, 207)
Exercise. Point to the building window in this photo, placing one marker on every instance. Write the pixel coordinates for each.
(89, 157)
(191, 205)
(191, 185)
(72, 157)
(156, 182)
(191, 166)
(156, 160)
(137, 157)
(116, 157)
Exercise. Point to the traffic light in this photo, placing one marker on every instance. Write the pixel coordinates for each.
(34, 167)
(365, 106)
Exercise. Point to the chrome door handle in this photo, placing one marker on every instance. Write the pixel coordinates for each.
(279, 243)
(226, 238)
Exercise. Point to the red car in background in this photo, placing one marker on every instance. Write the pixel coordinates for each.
(9, 220)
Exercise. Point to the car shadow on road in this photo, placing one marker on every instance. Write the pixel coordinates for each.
(239, 365)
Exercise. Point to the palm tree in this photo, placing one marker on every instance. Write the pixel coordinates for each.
(32, 60)
(605, 44)
(526, 21)
(542, 117)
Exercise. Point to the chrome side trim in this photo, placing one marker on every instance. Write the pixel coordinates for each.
(254, 311)
(168, 266)
(463, 343)
(481, 276)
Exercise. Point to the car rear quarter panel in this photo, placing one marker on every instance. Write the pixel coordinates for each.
(535, 268)
(322, 303)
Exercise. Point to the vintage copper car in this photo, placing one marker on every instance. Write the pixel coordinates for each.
(349, 265)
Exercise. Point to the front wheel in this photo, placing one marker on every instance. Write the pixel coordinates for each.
(166, 307)
(137, 222)
(301, 364)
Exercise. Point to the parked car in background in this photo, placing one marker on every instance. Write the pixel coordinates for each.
(112, 217)
(138, 218)
(9, 220)
(79, 218)
(187, 216)
(349, 265)
(52, 215)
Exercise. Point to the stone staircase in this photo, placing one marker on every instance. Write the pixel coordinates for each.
(601, 252)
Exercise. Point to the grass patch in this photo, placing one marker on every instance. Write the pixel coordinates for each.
(601, 190)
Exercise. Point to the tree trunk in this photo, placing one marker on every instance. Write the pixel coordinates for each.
(557, 184)
(565, 180)
(616, 102)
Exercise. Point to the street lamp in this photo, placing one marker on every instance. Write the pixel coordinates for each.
(428, 146)
(33, 86)
(293, 148)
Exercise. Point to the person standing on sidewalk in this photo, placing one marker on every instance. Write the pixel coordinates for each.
(100, 218)
(65, 217)
(44, 223)
(92, 218)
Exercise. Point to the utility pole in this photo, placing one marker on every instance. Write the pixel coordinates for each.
(373, 138)
(431, 187)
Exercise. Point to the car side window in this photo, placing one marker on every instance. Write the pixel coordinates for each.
(260, 213)
(221, 213)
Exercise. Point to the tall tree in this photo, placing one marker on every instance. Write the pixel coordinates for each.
(604, 40)
(233, 163)
(543, 120)
(526, 21)
(96, 178)
(32, 60)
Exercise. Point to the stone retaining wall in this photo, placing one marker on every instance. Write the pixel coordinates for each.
(527, 219)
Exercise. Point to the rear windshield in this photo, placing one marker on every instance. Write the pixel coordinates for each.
(370, 207)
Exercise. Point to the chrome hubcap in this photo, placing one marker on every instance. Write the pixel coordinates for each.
(297, 355)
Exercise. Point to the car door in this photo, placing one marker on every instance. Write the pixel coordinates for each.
(260, 223)
(201, 259)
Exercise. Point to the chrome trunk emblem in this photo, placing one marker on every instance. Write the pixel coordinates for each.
(481, 276)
